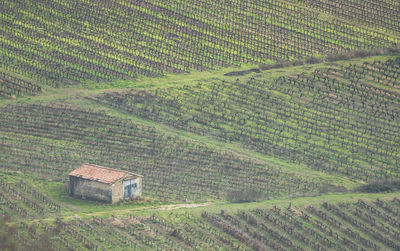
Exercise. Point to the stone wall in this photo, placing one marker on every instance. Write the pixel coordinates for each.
(117, 191)
(88, 189)
(93, 190)
(139, 192)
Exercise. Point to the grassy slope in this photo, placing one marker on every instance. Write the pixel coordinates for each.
(75, 96)
(199, 109)
(76, 93)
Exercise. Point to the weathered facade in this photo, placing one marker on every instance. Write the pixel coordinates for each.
(104, 184)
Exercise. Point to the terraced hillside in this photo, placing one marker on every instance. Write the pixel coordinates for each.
(276, 134)
(364, 224)
(257, 125)
(67, 42)
(343, 120)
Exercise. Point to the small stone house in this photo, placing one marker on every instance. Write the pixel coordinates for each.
(104, 184)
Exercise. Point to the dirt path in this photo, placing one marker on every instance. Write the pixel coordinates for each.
(158, 208)
(216, 207)
(178, 206)
(120, 212)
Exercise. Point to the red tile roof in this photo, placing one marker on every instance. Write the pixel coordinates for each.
(99, 173)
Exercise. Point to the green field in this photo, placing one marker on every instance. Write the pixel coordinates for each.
(257, 125)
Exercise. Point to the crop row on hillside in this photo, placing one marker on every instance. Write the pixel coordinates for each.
(376, 14)
(344, 226)
(341, 120)
(60, 42)
(368, 225)
(48, 141)
(14, 86)
(23, 200)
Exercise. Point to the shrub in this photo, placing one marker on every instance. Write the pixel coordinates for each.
(330, 188)
(379, 186)
(312, 60)
(243, 195)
